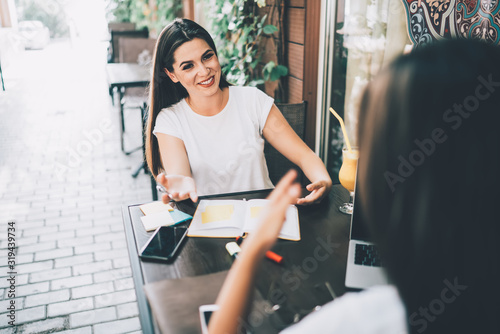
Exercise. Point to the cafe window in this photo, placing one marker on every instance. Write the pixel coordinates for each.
(360, 37)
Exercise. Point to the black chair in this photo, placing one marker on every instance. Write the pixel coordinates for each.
(131, 50)
(116, 34)
(277, 164)
(144, 166)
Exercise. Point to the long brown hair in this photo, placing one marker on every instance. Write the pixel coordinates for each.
(429, 183)
(163, 91)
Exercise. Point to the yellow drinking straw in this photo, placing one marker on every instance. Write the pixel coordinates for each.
(343, 129)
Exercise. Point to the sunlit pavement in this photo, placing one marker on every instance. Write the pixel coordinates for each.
(63, 182)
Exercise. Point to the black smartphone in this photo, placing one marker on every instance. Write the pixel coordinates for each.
(163, 243)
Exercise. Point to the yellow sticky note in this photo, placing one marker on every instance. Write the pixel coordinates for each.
(254, 211)
(215, 213)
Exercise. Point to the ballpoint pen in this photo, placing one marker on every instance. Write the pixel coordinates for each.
(162, 189)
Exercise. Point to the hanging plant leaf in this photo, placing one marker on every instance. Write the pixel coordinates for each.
(270, 29)
(282, 70)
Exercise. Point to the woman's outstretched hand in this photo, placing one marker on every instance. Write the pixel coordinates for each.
(179, 187)
(273, 214)
(318, 189)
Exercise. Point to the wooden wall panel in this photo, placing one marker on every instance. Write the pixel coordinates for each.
(311, 48)
(295, 59)
(295, 22)
(296, 3)
(295, 88)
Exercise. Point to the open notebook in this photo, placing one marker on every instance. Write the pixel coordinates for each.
(232, 218)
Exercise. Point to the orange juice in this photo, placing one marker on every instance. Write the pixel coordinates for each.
(347, 173)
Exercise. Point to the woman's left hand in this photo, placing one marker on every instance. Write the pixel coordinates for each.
(318, 189)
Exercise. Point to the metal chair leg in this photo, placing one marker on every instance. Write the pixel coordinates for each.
(143, 165)
(1, 75)
(153, 188)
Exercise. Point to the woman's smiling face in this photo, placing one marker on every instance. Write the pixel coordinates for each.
(197, 68)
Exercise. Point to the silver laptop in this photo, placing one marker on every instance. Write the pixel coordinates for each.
(364, 267)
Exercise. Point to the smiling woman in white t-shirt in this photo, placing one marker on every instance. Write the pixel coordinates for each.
(206, 137)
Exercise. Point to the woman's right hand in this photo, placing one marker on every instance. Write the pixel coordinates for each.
(179, 187)
(274, 214)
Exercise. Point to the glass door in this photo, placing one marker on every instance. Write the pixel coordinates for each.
(361, 36)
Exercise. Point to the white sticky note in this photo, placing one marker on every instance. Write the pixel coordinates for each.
(152, 221)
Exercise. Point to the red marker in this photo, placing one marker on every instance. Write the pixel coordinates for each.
(269, 254)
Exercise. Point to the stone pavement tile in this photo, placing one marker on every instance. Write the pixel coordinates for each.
(124, 283)
(75, 241)
(21, 242)
(71, 306)
(121, 262)
(53, 254)
(7, 302)
(53, 325)
(118, 327)
(47, 298)
(19, 280)
(30, 314)
(81, 330)
(40, 231)
(73, 260)
(92, 248)
(127, 310)
(96, 316)
(76, 225)
(71, 282)
(37, 247)
(93, 267)
(8, 330)
(34, 267)
(56, 236)
(110, 254)
(111, 275)
(115, 298)
(30, 289)
(48, 275)
(19, 258)
(95, 230)
(92, 290)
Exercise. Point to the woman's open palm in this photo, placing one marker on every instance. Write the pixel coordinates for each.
(179, 187)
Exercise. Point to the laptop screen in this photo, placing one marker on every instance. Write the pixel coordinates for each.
(359, 230)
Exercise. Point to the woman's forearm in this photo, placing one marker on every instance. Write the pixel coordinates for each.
(235, 292)
(313, 168)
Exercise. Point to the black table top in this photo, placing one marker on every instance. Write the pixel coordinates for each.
(320, 256)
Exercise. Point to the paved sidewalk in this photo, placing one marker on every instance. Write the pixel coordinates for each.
(63, 180)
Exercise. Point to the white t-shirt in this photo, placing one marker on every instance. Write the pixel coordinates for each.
(225, 151)
(377, 310)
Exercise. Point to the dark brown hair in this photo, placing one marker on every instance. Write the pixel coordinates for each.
(429, 182)
(163, 91)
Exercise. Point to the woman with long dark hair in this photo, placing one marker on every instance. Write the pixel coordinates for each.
(429, 188)
(205, 136)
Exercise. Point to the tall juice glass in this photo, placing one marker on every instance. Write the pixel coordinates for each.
(347, 176)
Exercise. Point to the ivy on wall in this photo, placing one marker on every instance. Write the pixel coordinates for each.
(238, 31)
